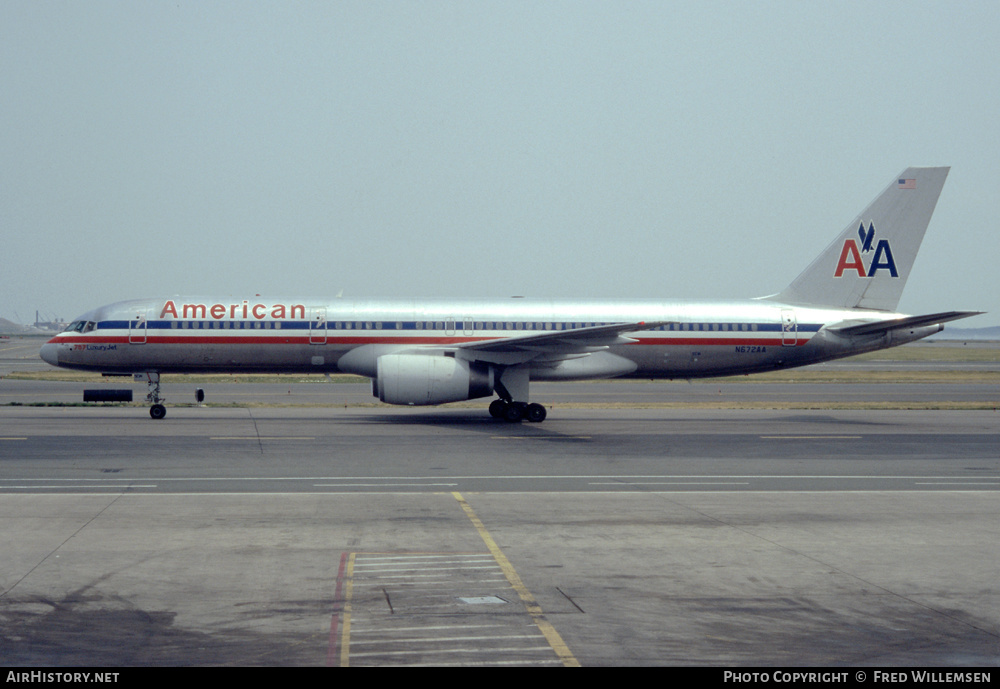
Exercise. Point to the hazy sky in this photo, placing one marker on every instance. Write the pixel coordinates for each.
(484, 149)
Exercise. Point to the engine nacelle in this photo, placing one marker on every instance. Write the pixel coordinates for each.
(431, 379)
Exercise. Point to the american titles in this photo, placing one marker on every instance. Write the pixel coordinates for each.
(234, 311)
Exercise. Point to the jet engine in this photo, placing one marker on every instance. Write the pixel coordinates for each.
(431, 379)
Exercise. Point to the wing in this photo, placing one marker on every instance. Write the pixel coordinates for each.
(554, 345)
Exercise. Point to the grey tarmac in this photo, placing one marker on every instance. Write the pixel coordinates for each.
(606, 536)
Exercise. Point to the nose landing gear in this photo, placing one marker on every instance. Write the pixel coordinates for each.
(152, 378)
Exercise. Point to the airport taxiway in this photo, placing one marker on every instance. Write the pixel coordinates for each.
(347, 537)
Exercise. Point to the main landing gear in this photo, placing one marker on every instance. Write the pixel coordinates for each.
(512, 384)
(517, 411)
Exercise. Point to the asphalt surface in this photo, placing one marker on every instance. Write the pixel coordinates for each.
(352, 535)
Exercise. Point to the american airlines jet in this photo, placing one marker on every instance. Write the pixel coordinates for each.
(431, 352)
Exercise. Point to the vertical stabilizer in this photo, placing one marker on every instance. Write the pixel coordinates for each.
(867, 265)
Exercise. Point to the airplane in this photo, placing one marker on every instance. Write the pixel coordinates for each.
(420, 352)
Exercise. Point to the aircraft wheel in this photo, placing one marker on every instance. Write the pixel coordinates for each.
(498, 409)
(157, 411)
(515, 412)
(536, 413)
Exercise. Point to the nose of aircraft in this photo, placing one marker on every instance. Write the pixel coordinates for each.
(50, 353)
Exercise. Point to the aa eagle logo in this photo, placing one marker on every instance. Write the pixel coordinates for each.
(856, 250)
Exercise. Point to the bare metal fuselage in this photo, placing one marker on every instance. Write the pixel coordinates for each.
(698, 339)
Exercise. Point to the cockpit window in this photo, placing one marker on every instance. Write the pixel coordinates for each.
(81, 327)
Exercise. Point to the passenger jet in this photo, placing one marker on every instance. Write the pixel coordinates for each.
(421, 352)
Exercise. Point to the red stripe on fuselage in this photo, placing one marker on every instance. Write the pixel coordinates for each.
(280, 339)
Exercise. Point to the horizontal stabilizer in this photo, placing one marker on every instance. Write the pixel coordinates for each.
(902, 323)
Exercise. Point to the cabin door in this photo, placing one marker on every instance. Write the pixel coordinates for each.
(789, 328)
(317, 325)
(137, 329)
